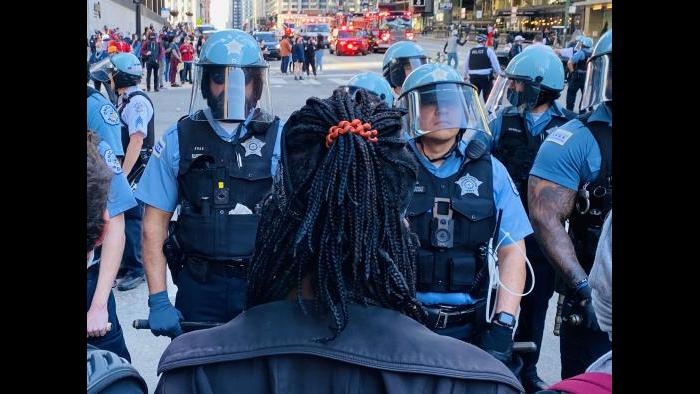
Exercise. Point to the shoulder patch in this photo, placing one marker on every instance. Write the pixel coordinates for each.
(559, 136)
(158, 148)
(109, 114)
(112, 161)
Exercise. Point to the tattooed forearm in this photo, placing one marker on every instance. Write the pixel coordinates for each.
(550, 205)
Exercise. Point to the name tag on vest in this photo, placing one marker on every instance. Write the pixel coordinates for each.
(419, 189)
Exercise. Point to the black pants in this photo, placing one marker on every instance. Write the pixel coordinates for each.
(483, 83)
(575, 84)
(310, 61)
(152, 68)
(579, 347)
(216, 299)
(114, 339)
(533, 307)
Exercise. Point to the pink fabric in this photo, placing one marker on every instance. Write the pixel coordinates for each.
(586, 383)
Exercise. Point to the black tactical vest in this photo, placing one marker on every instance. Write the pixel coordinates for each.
(517, 148)
(150, 130)
(585, 225)
(213, 177)
(479, 59)
(453, 270)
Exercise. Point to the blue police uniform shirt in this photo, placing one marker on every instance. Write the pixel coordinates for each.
(158, 185)
(103, 119)
(505, 194)
(535, 123)
(120, 198)
(578, 56)
(570, 154)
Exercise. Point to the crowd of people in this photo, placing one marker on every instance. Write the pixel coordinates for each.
(167, 54)
(301, 55)
(371, 236)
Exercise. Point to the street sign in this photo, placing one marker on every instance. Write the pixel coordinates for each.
(514, 16)
(572, 9)
(164, 12)
(479, 13)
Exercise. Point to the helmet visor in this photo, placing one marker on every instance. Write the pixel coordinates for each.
(401, 67)
(101, 70)
(510, 91)
(598, 85)
(230, 92)
(444, 106)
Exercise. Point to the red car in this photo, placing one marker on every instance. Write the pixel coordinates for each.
(349, 42)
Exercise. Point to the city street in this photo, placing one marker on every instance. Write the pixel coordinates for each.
(288, 95)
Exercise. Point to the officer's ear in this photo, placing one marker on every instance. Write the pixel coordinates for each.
(105, 219)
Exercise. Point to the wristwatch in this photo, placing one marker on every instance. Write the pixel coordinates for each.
(504, 319)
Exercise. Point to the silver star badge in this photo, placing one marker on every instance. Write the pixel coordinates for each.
(253, 146)
(233, 47)
(439, 74)
(469, 184)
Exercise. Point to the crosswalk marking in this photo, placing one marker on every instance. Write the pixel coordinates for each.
(338, 81)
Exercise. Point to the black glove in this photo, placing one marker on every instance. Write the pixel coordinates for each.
(497, 341)
(580, 304)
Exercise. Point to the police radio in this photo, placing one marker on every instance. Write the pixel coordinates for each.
(442, 234)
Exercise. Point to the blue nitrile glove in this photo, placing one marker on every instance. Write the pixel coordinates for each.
(163, 318)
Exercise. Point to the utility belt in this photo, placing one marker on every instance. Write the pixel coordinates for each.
(200, 268)
(446, 316)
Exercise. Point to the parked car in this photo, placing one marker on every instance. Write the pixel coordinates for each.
(271, 43)
(349, 42)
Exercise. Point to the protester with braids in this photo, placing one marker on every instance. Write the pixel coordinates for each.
(331, 292)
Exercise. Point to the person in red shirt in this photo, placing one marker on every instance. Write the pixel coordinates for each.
(187, 52)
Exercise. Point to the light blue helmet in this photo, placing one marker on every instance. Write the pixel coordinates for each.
(231, 78)
(539, 65)
(124, 68)
(586, 42)
(437, 98)
(399, 56)
(598, 86)
(231, 48)
(604, 45)
(373, 83)
(533, 77)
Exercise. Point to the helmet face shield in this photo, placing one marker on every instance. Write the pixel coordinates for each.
(230, 92)
(102, 70)
(598, 85)
(512, 91)
(444, 106)
(399, 69)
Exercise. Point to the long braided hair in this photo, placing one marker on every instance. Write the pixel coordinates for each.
(335, 213)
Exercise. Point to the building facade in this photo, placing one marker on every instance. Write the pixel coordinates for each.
(122, 14)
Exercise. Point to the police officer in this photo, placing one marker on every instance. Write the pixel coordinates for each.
(525, 108)
(480, 66)
(102, 308)
(572, 178)
(399, 60)
(217, 163)
(374, 84)
(577, 70)
(136, 114)
(461, 195)
(103, 119)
